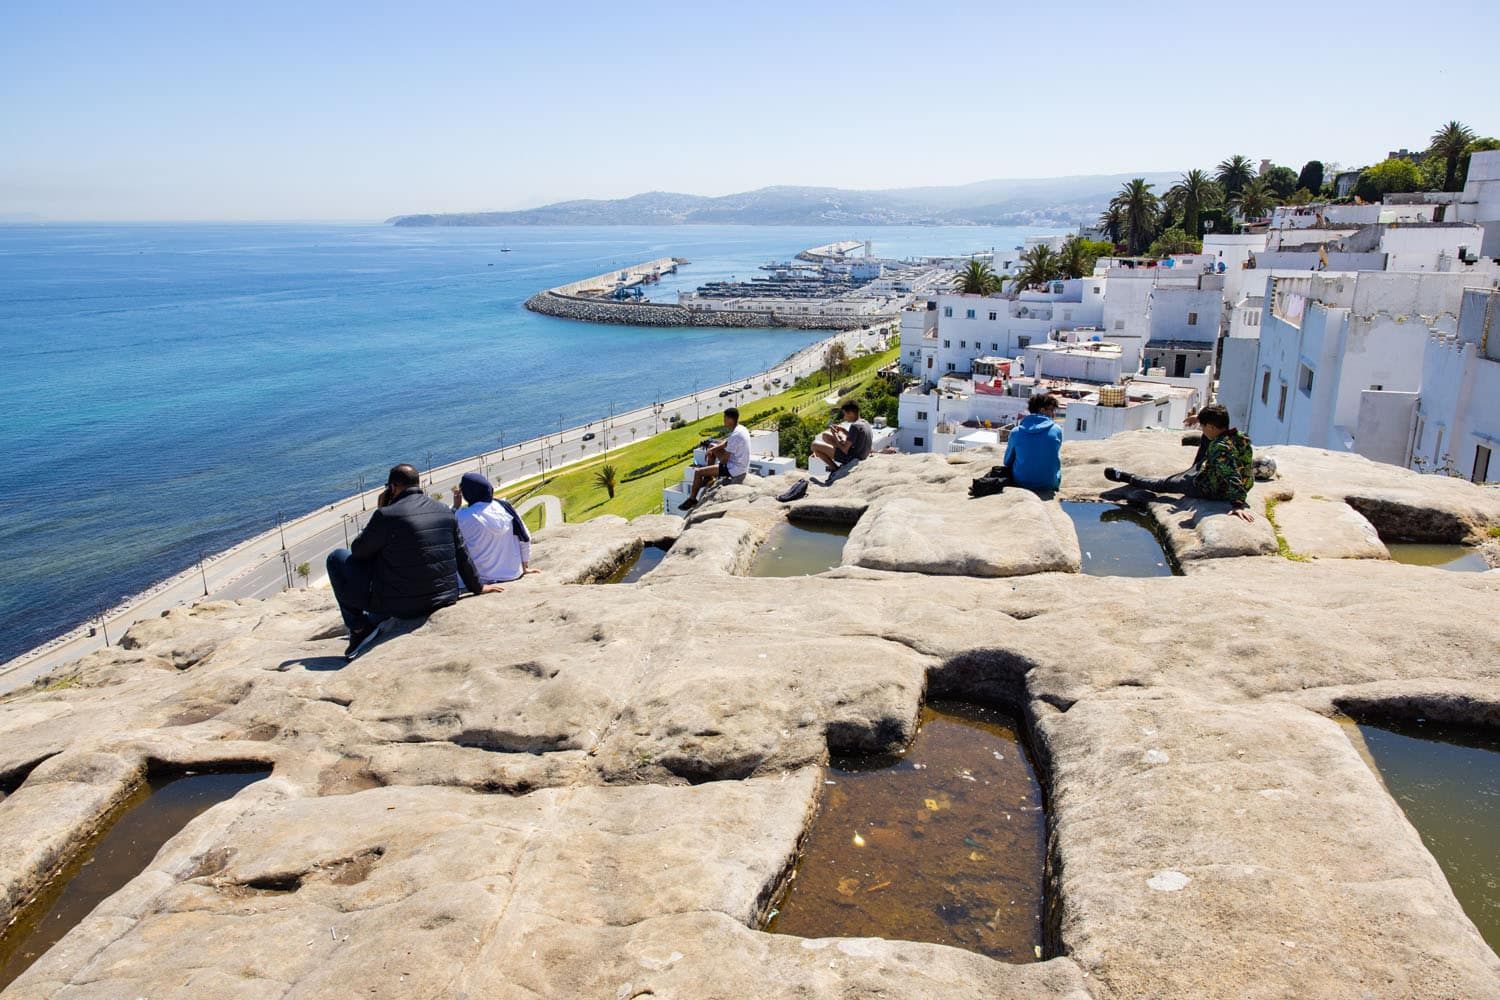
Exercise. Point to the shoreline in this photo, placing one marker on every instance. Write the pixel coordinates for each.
(237, 562)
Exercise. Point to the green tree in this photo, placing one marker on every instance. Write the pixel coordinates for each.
(607, 479)
(978, 278)
(1233, 174)
(1039, 265)
(835, 361)
(1311, 177)
(1281, 180)
(1141, 210)
(1078, 256)
(1448, 144)
(304, 570)
(1113, 222)
(1172, 241)
(1255, 200)
(1195, 192)
(1394, 176)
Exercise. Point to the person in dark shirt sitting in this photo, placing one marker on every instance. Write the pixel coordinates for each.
(838, 446)
(406, 563)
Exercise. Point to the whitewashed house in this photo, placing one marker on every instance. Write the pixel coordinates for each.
(1456, 425)
(1328, 339)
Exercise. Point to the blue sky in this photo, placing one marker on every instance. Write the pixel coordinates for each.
(327, 110)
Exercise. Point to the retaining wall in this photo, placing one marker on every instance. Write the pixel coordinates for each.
(589, 310)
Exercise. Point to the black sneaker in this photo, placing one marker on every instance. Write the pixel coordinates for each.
(687, 504)
(357, 642)
(1114, 475)
(362, 638)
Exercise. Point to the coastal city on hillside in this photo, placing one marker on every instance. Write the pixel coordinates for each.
(803, 503)
(1315, 317)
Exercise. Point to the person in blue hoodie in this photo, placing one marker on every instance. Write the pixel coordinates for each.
(1034, 453)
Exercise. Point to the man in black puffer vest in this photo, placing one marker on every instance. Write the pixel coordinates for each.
(405, 564)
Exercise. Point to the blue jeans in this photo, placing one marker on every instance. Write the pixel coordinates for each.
(352, 581)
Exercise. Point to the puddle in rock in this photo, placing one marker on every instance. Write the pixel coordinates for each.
(800, 550)
(125, 845)
(1447, 780)
(945, 843)
(1455, 557)
(633, 569)
(1117, 541)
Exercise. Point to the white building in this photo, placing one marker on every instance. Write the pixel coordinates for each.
(957, 406)
(1456, 425)
(1480, 201)
(1327, 339)
(973, 326)
(1089, 361)
(1139, 404)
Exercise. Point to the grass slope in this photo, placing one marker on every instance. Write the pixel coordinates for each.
(645, 467)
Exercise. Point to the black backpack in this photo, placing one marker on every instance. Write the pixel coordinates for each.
(796, 491)
(991, 484)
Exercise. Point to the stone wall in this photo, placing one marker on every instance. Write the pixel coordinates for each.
(589, 310)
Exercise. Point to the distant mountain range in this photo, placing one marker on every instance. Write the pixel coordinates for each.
(1051, 201)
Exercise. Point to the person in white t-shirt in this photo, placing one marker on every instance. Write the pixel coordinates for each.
(728, 459)
(494, 534)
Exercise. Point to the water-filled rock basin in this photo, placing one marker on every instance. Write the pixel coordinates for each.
(800, 549)
(1117, 541)
(119, 851)
(944, 843)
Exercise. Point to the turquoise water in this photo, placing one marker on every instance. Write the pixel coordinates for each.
(168, 388)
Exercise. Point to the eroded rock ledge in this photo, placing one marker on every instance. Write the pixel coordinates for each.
(569, 790)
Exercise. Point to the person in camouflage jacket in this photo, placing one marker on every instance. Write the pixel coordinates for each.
(1224, 469)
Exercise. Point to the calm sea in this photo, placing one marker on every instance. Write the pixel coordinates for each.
(168, 388)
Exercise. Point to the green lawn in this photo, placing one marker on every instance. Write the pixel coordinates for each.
(644, 468)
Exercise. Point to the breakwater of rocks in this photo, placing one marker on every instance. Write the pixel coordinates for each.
(591, 310)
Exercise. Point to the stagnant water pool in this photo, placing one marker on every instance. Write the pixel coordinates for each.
(121, 850)
(632, 570)
(1455, 557)
(800, 550)
(945, 843)
(1447, 779)
(1117, 541)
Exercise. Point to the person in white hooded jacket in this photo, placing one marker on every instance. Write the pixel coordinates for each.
(495, 535)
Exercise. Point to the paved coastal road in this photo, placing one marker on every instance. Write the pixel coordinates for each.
(259, 567)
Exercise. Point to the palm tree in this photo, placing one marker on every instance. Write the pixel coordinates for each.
(977, 279)
(1141, 210)
(606, 479)
(1255, 200)
(1450, 142)
(1195, 192)
(1077, 259)
(1113, 222)
(1234, 173)
(1039, 265)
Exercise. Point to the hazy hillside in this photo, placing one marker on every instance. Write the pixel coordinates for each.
(1058, 200)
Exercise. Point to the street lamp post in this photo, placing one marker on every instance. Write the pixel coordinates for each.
(203, 572)
(429, 468)
(280, 519)
(361, 479)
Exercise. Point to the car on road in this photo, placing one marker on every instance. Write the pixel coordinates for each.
(589, 436)
(725, 392)
(776, 380)
(746, 386)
